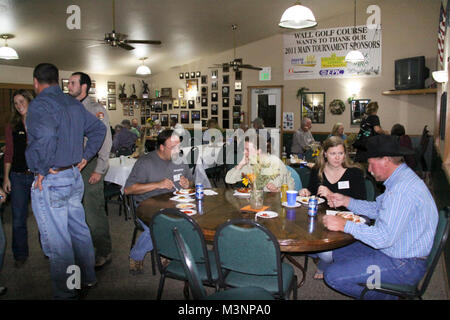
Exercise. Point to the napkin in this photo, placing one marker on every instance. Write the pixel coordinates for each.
(209, 192)
(239, 194)
(248, 208)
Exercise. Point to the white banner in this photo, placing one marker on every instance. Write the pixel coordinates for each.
(320, 54)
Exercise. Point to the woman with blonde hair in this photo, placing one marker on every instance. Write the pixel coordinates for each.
(334, 172)
(338, 131)
(17, 178)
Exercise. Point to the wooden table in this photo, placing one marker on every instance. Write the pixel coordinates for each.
(294, 229)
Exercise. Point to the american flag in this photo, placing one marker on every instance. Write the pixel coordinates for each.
(441, 36)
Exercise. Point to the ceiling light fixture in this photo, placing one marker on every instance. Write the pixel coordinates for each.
(354, 56)
(143, 69)
(6, 52)
(297, 17)
(440, 76)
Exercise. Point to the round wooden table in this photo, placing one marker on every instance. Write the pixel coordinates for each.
(294, 229)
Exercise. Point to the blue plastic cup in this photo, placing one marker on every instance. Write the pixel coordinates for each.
(291, 197)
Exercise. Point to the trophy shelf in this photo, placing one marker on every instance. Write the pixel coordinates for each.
(409, 92)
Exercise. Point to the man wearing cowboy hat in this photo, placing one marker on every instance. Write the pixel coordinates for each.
(399, 241)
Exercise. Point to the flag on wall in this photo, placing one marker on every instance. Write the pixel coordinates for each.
(441, 36)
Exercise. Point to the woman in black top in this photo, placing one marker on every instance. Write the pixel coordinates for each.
(334, 172)
(369, 127)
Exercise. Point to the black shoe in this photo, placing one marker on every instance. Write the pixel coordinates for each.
(100, 262)
(19, 263)
(3, 290)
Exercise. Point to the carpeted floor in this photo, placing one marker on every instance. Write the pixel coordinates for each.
(32, 281)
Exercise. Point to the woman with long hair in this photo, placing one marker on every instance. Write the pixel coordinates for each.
(18, 178)
(338, 131)
(334, 172)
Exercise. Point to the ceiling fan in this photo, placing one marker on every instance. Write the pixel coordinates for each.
(236, 63)
(116, 39)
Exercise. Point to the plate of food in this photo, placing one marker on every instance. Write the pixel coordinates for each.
(182, 199)
(189, 212)
(185, 206)
(347, 215)
(267, 214)
(305, 200)
(184, 192)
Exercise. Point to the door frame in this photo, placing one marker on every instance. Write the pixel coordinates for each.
(249, 107)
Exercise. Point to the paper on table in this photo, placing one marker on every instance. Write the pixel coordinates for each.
(208, 192)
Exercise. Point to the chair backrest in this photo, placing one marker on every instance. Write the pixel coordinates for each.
(124, 151)
(296, 176)
(161, 227)
(130, 206)
(189, 266)
(370, 190)
(251, 249)
(192, 157)
(440, 239)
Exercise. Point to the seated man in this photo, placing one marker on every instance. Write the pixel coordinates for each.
(303, 138)
(250, 150)
(124, 138)
(399, 242)
(153, 174)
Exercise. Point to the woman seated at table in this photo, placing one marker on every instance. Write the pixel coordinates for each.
(338, 131)
(244, 167)
(334, 172)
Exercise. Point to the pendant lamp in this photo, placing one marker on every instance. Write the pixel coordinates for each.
(297, 17)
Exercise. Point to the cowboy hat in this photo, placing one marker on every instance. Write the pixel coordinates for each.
(386, 146)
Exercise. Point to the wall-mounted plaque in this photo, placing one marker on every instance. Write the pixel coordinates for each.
(214, 96)
(195, 115)
(92, 89)
(176, 104)
(111, 103)
(204, 79)
(181, 75)
(65, 85)
(184, 116)
(225, 79)
(174, 116)
(214, 86)
(111, 87)
(238, 86)
(204, 101)
(205, 113)
(186, 75)
(198, 74)
(192, 74)
(191, 104)
(214, 110)
(238, 99)
(225, 91)
(164, 120)
(225, 102)
(166, 92)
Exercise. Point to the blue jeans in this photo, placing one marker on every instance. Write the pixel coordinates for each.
(350, 267)
(325, 259)
(65, 236)
(143, 245)
(20, 198)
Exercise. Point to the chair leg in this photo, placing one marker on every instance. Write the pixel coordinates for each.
(152, 255)
(133, 240)
(106, 206)
(186, 290)
(161, 286)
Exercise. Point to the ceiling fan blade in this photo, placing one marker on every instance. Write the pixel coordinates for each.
(249, 66)
(143, 41)
(94, 45)
(125, 46)
(215, 66)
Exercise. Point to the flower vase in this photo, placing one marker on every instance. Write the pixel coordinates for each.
(256, 199)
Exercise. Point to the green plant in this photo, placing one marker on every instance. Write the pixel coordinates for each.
(262, 173)
(301, 91)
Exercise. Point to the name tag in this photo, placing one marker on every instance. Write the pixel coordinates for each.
(21, 132)
(343, 185)
(177, 177)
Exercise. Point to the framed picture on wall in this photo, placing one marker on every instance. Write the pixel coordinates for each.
(181, 75)
(65, 85)
(174, 116)
(204, 79)
(155, 117)
(357, 110)
(225, 91)
(204, 101)
(92, 89)
(195, 115)
(204, 122)
(111, 103)
(225, 102)
(111, 87)
(184, 116)
(225, 123)
(214, 86)
(238, 99)
(176, 104)
(238, 75)
(313, 106)
(225, 79)
(214, 110)
(205, 113)
(191, 104)
(183, 104)
(214, 96)
(164, 120)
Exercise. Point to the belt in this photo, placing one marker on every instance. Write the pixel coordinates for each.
(63, 168)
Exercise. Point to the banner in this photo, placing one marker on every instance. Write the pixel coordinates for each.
(320, 54)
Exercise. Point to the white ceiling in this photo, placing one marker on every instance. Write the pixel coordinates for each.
(188, 29)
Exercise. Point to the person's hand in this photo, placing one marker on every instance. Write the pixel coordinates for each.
(94, 178)
(334, 223)
(3, 194)
(166, 184)
(243, 162)
(38, 181)
(272, 188)
(6, 185)
(82, 164)
(184, 182)
(323, 191)
(338, 200)
(304, 192)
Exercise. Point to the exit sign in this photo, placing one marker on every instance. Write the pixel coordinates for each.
(265, 74)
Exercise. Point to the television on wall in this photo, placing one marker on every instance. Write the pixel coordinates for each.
(410, 73)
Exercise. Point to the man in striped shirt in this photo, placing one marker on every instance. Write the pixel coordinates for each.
(397, 245)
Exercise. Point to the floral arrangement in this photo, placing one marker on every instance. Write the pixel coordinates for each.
(150, 122)
(262, 173)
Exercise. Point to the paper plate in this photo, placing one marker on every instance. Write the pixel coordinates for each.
(267, 214)
(305, 200)
(184, 192)
(347, 215)
(182, 199)
(189, 212)
(239, 194)
(284, 204)
(185, 205)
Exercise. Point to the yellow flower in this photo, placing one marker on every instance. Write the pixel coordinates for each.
(316, 153)
(245, 181)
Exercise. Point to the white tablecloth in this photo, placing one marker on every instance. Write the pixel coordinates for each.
(207, 153)
(118, 173)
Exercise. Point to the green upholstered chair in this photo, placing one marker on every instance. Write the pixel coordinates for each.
(196, 285)
(161, 227)
(296, 177)
(370, 190)
(416, 291)
(248, 254)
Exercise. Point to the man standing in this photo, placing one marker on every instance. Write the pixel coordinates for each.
(56, 124)
(155, 173)
(302, 139)
(94, 172)
(402, 236)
